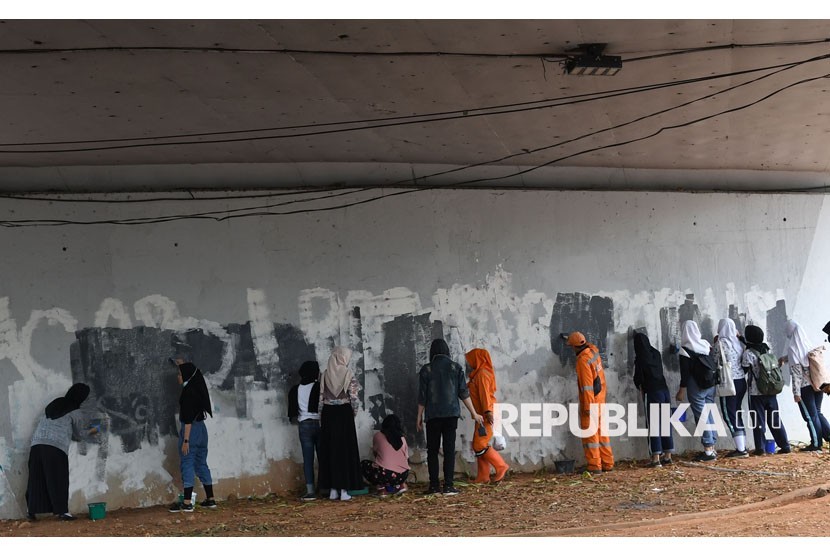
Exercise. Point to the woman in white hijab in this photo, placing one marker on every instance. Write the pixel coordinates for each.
(807, 399)
(728, 350)
(697, 378)
(339, 456)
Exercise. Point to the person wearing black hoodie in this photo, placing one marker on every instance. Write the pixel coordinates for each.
(194, 406)
(765, 407)
(303, 404)
(441, 383)
(650, 381)
(48, 486)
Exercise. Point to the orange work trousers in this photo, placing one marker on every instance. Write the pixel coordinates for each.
(597, 447)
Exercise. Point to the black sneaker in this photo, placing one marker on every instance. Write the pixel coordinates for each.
(811, 449)
(786, 450)
(210, 503)
(308, 497)
(738, 454)
(31, 517)
(759, 452)
(666, 461)
(67, 517)
(655, 464)
(703, 456)
(450, 491)
(433, 490)
(180, 507)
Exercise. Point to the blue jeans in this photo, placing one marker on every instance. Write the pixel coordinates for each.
(766, 415)
(195, 462)
(810, 407)
(697, 399)
(310, 443)
(658, 444)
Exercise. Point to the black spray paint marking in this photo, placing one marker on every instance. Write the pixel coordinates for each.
(377, 409)
(406, 341)
(293, 350)
(129, 374)
(591, 315)
(205, 350)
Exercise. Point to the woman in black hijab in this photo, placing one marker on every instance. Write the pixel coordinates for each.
(649, 379)
(303, 409)
(765, 406)
(48, 486)
(194, 405)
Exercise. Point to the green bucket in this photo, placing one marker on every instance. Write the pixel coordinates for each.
(98, 510)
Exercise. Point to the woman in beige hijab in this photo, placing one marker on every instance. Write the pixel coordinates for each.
(339, 455)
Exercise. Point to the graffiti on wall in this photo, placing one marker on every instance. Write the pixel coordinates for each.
(123, 356)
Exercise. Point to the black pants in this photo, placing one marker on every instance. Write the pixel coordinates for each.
(437, 429)
(339, 458)
(48, 487)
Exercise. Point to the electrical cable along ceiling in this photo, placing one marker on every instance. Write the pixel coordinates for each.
(409, 104)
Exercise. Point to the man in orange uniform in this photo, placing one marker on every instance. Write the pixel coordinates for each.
(482, 386)
(590, 378)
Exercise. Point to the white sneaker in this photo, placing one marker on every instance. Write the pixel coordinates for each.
(333, 494)
(344, 495)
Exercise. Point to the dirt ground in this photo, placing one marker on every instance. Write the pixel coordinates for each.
(760, 496)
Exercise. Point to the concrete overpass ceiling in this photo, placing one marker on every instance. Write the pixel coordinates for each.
(111, 94)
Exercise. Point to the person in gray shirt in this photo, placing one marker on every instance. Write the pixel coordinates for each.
(48, 486)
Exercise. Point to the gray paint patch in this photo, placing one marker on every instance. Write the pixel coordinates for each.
(406, 341)
(8, 376)
(591, 315)
(670, 337)
(738, 318)
(128, 372)
(776, 333)
(690, 311)
(356, 345)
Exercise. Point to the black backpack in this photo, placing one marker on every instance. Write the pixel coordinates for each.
(703, 369)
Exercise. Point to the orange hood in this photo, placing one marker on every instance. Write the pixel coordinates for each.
(479, 359)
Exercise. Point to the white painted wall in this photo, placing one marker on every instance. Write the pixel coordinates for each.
(487, 264)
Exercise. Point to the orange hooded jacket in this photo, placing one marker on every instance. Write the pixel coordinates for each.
(482, 387)
(482, 382)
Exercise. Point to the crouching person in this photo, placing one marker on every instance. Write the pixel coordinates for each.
(391, 466)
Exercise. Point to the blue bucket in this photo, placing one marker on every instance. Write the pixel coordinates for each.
(769, 446)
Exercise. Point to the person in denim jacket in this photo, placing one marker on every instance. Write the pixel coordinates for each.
(441, 383)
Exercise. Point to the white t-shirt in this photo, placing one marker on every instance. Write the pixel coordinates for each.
(303, 393)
